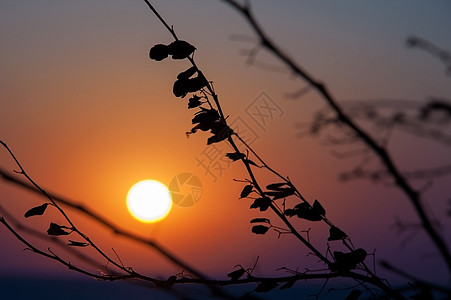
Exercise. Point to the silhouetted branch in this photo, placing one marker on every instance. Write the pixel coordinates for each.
(428, 120)
(36, 233)
(380, 152)
(33, 186)
(57, 258)
(443, 55)
(210, 117)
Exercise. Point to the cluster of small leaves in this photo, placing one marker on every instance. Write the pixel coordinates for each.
(54, 229)
(177, 49)
(261, 203)
(193, 81)
(186, 83)
(304, 210)
(207, 118)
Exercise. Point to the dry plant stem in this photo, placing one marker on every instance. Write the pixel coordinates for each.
(273, 207)
(41, 191)
(109, 277)
(297, 277)
(263, 162)
(57, 258)
(232, 143)
(131, 236)
(381, 152)
(63, 213)
(101, 220)
(131, 274)
(23, 228)
(251, 279)
(371, 279)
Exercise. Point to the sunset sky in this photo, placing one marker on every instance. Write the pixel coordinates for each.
(88, 114)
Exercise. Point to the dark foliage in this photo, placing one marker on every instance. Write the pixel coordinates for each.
(36, 211)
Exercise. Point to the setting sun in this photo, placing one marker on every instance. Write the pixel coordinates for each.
(149, 201)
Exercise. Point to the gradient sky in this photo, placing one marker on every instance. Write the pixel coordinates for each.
(88, 115)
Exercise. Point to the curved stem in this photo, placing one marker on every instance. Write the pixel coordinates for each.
(62, 212)
(383, 155)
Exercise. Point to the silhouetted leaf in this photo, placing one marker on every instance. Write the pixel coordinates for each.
(196, 83)
(290, 212)
(205, 118)
(261, 203)
(77, 244)
(56, 229)
(246, 191)
(310, 215)
(251, 162)
(260, 229)
(194, 101)
(188, 73)
(219, 127)
(234, 156)
(216, 139)
(235, 275)
(260, 220)
(303, 210)
(158, 52)
(336, 234)
(318, 208)
(280, 193)
(348, 261)
(36, 211)
(266, 286)
(184, 86)
(179, 89)
(302, 206)
(355, 294)
(180, 49)
(276, 186)
(220, 132)
(288, 284)
(172, 278)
